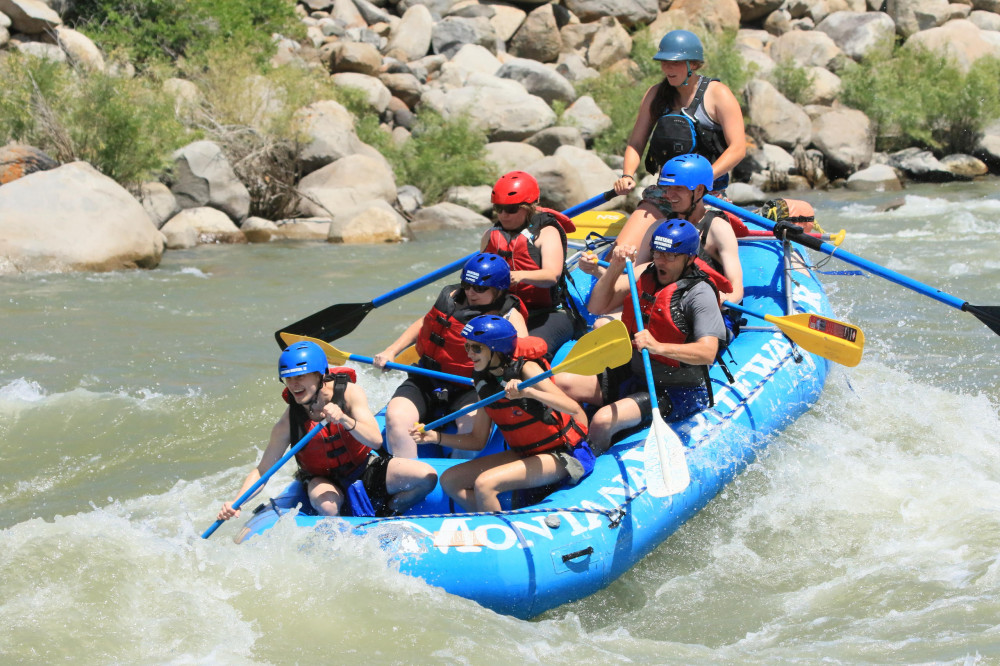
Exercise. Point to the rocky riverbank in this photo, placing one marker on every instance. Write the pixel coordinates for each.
(508, 67)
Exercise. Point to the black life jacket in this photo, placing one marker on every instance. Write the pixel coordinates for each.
(681, 134)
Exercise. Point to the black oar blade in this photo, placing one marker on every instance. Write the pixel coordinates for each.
(334, 322)
(988, 314)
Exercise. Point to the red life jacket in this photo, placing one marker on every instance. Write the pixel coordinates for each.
(660, 306)
(440, 343)
(333, 452)
(519, 250)
(528, 426)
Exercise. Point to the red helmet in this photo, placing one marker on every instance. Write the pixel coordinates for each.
(516, 187)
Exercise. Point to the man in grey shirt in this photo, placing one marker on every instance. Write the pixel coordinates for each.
(683, 331)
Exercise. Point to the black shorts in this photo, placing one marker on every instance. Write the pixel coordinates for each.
(675, 402)
(434, 398)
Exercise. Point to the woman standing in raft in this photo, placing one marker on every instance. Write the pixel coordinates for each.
(533, 242)
(545, 429)
(682, 106)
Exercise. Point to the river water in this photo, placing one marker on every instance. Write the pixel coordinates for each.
(133, 403)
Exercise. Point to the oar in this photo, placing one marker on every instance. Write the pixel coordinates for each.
(605, 347)
(337, 357)
(338, 320)
(988, 314)
(836, 238)
(841, 343)
(268, 474)
(673, 471)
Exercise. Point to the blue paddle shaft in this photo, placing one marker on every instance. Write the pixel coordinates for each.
(409, 287)
(592, 202)
(415, 369)
(844, 255)
(268, 474)
(485, 401)
(653, 402)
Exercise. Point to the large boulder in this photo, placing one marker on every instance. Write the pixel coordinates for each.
(988, 146)
(32, 17)
(372, 222)
(961, 41)
(595, 175)
(538, 37)
(633, 13)
(805, 48)
(912, 16)
(203, 177)
(346, 184)
(73, 218)
(588, 117)
(375, 93)
(328, 132)
(559, 182)
(82, 52)
(453, 32)
(17, 161)
(876, 178)
(195, 226)
(709, 16)
(447, 215)
(782, 122)
(505, 115)
(846, 138)
(410, 39)
(545, 82)
(511, 155)
(858, 33)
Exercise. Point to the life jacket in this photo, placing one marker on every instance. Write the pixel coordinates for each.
(519, 250)
(440, 343)
(661, 306)
(528, 426)
(681, 133)
(790, 210)
(333, 452)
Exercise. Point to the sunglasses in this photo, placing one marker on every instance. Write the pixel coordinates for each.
(475, 347)
(510, 209)
(478, 288)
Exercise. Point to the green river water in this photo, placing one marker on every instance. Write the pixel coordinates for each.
(133, 403)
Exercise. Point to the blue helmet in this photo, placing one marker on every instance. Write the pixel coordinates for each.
(676, 237)
(487, 270)
(680, 45)
(688, 171)
(301, 359)
(496, 333)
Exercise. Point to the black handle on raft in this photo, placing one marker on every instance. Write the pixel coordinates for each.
(580, 553)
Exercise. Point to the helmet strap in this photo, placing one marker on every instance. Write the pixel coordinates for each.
(689, 73)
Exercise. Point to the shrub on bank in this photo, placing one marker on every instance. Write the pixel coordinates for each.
(124, 127)
(915, 97)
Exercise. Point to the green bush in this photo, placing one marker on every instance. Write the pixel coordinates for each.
(792, 81)
(915, 97)
(123, 127)
(151, 31)
(441, 154)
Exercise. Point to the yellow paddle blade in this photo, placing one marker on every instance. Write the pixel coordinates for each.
(606, 223)
(408, 356)
(606, 347)
(841, 343)
(838, 237)
(333, 355)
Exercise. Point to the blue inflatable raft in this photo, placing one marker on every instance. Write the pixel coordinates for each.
(577, 540)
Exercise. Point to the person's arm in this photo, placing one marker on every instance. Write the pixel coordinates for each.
(726, 249)
(408, 337)
(545, 392)
(641, 130)
(724, 109)
(609, 292)
(471, 441)
(553, 260)
(700, 352)
(517, 321)
(275, 449)
(357, 417)
(484, 241)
